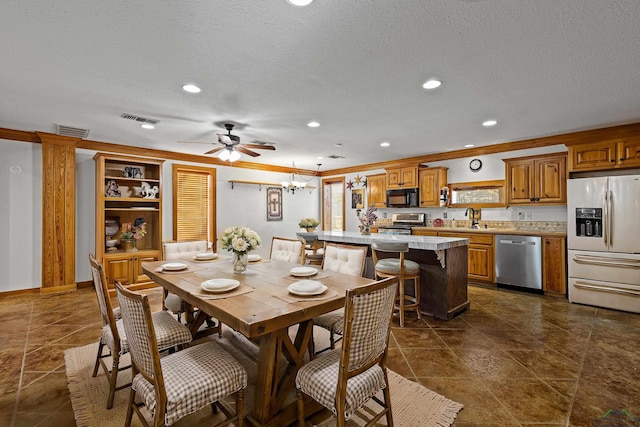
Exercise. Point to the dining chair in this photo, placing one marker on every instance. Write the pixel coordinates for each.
(185, 250)
(170, 332)
(346, 259)
(400, 267)
(344, 379)
(291, 250)
(313, 248)
(181, 383)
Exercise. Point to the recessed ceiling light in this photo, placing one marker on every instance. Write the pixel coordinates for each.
(489, 123)
(191, 88)
(338, 145)
(147, 126)
(431, 84)
(313, 124)
(468, 146)
(384, 144)
(300, 2)
(319, 158)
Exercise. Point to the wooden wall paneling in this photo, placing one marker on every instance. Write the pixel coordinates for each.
(58, 218)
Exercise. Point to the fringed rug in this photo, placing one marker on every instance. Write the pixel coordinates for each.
(412, 404)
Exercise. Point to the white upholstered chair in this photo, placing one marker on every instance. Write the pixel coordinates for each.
(181, 383)
(345, 259)
(343, 380)
(399, 267)
(291, 250)
(169, 332)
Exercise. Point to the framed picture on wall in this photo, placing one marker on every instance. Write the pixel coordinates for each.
(274, 203)
(357, 199)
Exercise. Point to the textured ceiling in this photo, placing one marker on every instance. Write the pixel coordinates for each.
(540, 67)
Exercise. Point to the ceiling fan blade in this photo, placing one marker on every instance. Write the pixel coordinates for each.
(248, 152)
(215, 150)
(260, 146)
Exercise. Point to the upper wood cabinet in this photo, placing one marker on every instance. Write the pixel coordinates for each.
(431, 181)
(406, 177)
(377, 190)
(536, 180)
(612, 154)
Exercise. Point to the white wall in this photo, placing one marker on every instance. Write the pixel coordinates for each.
(20, 215)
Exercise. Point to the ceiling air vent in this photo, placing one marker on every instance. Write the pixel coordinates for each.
(72, 132)
(335, 156)
(139, 119)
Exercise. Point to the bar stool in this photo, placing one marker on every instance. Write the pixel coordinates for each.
(404, 269)
(314, 249)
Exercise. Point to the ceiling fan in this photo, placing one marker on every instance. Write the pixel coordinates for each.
(231, 146)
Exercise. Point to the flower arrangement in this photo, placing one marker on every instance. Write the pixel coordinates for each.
(240, 240)
(308, 223)
(135, 231)
(368, 218)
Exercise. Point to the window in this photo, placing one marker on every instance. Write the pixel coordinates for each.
(481, 194)
(194, 198)
(333, 204)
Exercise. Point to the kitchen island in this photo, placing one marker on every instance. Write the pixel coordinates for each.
(443, 268)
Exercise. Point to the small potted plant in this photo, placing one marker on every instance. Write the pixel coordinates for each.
(132, 234)
(309, 224)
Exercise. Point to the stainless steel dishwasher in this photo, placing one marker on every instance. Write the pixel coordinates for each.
(519, 261)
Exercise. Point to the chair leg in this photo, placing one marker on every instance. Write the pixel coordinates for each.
(240, 407)
(98, 357)
(300, 402)
(113, 379)
(332, 340)
(387, 401)
(401, 302)
(128, 419)
(417, 294)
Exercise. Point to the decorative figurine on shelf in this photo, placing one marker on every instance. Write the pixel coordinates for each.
(147, 191)
(112, 190)
(367, 219)
(131, 172)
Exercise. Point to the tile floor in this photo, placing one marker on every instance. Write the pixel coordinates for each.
(514, 359)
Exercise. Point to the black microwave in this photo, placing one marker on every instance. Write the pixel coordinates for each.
(402, 198)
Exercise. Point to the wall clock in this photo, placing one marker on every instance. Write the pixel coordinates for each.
(475, 165)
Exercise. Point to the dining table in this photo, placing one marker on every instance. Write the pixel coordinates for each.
(262, 307)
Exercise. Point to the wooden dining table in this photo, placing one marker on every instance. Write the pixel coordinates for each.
(262, 309)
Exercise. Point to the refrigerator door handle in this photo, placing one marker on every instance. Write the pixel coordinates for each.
(605, 220)
(610, 215)
(581, 285)
(612, 262)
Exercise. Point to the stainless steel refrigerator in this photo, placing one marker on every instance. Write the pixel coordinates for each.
(603, 235)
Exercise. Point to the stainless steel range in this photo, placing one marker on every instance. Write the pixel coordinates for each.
(402, 223)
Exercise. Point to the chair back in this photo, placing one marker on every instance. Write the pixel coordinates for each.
(102, 292)
(389, 246)
(367, 321)
(141, 335)
(345, 259)
(183, 250)
(291, 250)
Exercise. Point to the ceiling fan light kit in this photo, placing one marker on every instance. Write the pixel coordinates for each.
(232, 148)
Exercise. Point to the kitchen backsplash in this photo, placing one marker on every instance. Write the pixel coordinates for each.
(556, 226)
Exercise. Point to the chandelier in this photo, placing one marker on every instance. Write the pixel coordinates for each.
(296, 184)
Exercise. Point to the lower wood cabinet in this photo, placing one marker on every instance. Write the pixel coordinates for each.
(481, 258)
(554, 265)
(127, 268)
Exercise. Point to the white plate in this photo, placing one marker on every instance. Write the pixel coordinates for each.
(219, 285)
(254, 257)
(322, 289)
(306, 286)
(205, 256)
(174, 266)
(303, 271)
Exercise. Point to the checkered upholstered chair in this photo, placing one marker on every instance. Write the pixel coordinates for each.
(181, 383)
(403, 268)
(291, 250)
(313, 248)
(172, 302)
(346, 259)
(170, 332)
(344, 379)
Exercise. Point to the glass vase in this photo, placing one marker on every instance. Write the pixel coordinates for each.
(240, 262)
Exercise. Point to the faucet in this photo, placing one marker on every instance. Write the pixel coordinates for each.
(474, 222)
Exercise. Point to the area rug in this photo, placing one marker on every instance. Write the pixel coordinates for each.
(413, 405)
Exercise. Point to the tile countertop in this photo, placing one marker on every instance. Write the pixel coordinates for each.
(415, 242)
(511, 231)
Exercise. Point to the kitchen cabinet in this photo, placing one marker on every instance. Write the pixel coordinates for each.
(377, 190)
(481, 264)
(423, 232)
(554, 265)
(127, 189)
(406, 177)
(537, 180)
(611, 154)
(431, 181)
